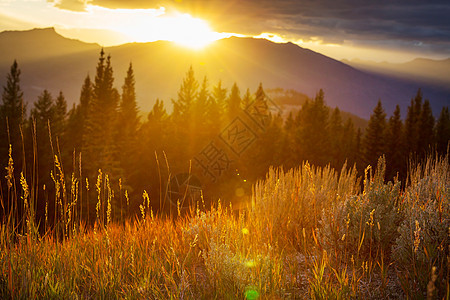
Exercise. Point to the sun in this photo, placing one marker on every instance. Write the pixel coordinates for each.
(179, 28)
(188, 31)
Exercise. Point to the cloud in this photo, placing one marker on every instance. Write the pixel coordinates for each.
(414, 23)
(73, 5)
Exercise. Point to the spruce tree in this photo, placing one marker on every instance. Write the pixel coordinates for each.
(234, 102)
(43, 110)
(213, 116)
(348, 147)
(60, 115)
(426, 129)
(443, 131)
(43, 114)
(288, 143)
(395, 160)
(359, 151)
(374, 139)
(412, 124)
(246, 99)
(12, 116)
(77, 118)
(128, 105)
(127, 126)
(335, 132)
(313, 139)
(99, 148)
(201, 106)
(220, 95)
(187, 94)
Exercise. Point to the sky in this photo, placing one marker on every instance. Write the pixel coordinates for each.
(376, 30)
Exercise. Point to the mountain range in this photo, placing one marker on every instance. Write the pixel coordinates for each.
(50, 61)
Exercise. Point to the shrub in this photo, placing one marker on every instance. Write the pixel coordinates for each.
(286, 204)
(424, 234)
(364, 224)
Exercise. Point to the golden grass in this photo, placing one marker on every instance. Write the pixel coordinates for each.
(307, 233)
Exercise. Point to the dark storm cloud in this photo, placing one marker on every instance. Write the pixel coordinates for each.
(411, 23)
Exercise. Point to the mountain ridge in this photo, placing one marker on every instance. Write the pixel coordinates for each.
(160, 67)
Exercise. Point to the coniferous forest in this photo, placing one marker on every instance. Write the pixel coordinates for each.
(220, 193)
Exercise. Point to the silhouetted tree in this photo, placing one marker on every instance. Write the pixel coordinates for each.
(12, 116)
(374, 139)
(99, 147)
(443, 131)
(220, 96)
(187, 94)
(336, 134)
(43, 114)
(426, 129)
(127, 127)
(201, 109)
(349, 143)
(313, 135)
(395, 159)
(246, 99)
(412, 124)
(60, 115)
(234, 102)
(77, 119)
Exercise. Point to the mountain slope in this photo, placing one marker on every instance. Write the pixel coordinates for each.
(62, 64)
(433, 72)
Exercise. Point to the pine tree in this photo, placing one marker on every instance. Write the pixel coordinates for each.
(374, 139)
(335, 132)
(412, 124)
(77, 118)
(187, 94)
(86, 97)
(154, 137)
(183, 117)
(233, 102)
(395, 160)
(12, 116)
(220, 96)
(213, 116)
(348, 142)
(359, 151)
(43, 110)
(313, 139)
(99, 148)
(246, 99)
(128, 105)
(43, 114)
(60, 115)
(426, 129)
(201, 106)
(443, 131)
(287, 142)
(127, 126)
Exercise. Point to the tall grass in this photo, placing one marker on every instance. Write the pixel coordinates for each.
(308, 232)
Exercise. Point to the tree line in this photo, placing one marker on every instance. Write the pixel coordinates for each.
(105, 134)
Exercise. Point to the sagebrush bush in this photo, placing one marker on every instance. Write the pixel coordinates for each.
(364, 224)
(424, 234)
(286, 204)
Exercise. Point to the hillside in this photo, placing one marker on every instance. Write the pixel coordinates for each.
(48, 60)
(434, 72)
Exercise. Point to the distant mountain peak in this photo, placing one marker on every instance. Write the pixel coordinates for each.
(44, 30)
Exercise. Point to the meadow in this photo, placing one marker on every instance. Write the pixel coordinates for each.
(308, 232)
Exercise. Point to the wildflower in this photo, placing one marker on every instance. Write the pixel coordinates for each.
(245, 231)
